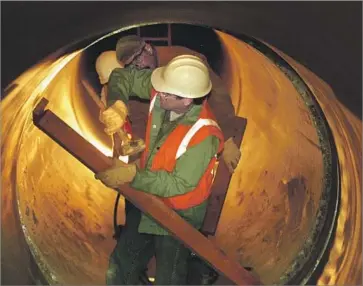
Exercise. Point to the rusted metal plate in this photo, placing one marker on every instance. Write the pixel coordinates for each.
(65, 136)
(221, 183)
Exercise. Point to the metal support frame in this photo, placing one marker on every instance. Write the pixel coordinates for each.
(151, 39)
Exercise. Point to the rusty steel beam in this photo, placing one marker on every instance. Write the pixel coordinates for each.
(85, 152)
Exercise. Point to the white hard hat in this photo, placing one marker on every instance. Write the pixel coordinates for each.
(185, 76)
(105, 64)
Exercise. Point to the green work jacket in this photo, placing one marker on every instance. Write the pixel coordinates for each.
(190, 167)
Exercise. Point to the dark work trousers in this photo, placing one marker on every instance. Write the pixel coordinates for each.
(134, 250)
(118, 228)
(128, 207)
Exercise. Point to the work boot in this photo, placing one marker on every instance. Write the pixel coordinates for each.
(144, 278)
(199, 272)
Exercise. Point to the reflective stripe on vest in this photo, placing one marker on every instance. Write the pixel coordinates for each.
(147, 135)
(195, 128)
(203, 189)
(152, 103)
(185, 142)
(176, 145)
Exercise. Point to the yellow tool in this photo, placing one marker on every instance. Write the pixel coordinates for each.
(122, 144)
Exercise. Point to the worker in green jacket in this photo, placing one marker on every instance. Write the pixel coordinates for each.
(177, 164)
(133, 50)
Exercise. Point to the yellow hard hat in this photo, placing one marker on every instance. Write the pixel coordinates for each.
(105, 64)
(185, 76)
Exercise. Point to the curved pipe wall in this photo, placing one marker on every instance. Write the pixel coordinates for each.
(335, 113)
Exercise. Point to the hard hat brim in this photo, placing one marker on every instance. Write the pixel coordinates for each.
(159, 84)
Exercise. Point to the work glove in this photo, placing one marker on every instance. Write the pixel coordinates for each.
(120, 173)
(231, 154)
(114, 117)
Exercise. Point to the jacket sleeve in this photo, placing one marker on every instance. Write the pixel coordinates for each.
(126, 82)
(222, 107)
(189, 169)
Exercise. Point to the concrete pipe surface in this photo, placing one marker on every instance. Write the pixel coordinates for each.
(293, 209)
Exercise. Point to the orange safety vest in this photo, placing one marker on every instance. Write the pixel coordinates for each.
(182, 137)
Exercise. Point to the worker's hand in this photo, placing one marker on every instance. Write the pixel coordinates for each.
(120, 173)
(114, 117)
(231, 154)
